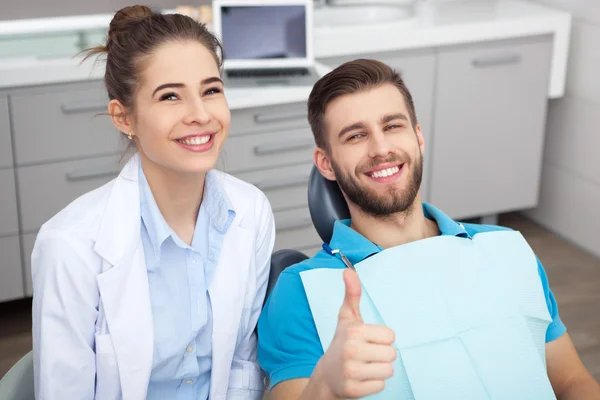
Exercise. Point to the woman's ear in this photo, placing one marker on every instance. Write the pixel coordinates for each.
(120, 118)
(323, 164)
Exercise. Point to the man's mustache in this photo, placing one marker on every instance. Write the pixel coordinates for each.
(392, 158)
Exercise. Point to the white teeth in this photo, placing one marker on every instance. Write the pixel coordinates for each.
(196, 140)
(385, 172)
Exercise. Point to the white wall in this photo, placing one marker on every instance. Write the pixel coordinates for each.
(570, 194)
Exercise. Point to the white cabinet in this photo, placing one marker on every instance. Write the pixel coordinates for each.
(6, 158)
(272, 148)
(490, 109)
(46, 189)
(62, 122)
(11, 270)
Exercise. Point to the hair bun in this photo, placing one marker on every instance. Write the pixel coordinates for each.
(126, 16)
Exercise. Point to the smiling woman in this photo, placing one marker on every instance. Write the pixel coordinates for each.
(150, 287)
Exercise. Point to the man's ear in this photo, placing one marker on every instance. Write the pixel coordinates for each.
(120, 118)
(323, 164)
(420, 138)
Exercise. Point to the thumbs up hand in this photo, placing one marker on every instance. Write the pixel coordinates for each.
(360, 356)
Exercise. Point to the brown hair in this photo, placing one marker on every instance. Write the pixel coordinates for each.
(134, 33)
(349, 78)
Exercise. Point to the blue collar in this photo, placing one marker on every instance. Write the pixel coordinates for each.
(356, 247)
(215, 203)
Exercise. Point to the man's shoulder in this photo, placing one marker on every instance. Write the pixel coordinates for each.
(320, 260)
(474, 229)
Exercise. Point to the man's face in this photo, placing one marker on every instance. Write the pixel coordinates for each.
(375, 154)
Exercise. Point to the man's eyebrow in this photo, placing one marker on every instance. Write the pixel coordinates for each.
(354, 126)
(391, 117)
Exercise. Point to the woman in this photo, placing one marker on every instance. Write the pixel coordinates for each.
(151, 285)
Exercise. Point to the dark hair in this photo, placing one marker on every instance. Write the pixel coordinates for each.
(349, 78)
(134, 33)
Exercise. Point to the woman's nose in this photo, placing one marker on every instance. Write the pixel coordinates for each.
(198, 113)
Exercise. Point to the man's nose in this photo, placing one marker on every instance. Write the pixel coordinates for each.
(379, 145)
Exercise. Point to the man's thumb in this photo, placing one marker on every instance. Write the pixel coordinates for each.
(350, 309)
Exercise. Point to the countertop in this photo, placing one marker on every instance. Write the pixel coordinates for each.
(435, 25)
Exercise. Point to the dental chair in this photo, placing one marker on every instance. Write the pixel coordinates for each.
(17, 384)
(326, 205)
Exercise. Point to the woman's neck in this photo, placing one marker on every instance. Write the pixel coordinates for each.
(178, 197)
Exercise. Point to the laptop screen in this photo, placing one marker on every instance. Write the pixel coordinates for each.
(264, 32)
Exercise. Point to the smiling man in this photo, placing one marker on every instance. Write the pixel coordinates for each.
(369, 141)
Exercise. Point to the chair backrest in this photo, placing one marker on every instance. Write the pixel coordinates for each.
(280, 260)
(18, 384)
(326, 204)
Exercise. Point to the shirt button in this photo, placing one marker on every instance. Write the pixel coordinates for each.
(189, 381)
(190, 349)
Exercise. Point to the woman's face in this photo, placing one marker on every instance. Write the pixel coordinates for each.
(181, 116)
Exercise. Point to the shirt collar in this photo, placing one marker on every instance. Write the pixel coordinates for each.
(215, 201)
(356, 247)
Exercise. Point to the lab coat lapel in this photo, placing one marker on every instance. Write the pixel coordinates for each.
(123, 285)
(227, 293)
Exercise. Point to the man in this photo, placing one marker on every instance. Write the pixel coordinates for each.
(368, 140)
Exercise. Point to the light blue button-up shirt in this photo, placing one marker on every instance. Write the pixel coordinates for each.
(179, 276)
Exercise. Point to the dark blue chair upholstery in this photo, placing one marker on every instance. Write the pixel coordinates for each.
(326, 204)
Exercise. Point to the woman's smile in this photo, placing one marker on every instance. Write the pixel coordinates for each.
(197, 142)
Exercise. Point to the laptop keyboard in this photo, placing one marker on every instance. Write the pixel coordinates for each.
(267, 72)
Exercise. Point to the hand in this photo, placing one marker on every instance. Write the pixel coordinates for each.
(360, 356)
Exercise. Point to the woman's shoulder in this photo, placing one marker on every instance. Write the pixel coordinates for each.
(251, 205)
(242, 194)
(82, 215)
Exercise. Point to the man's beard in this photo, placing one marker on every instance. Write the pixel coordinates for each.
(391, 202)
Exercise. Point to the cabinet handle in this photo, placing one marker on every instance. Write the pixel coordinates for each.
(280, 117)
(87, 174)
(281, 183)
(496, 61)
(294, 224)
(74, 108)
(280, 147)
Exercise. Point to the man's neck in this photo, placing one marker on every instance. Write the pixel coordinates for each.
(394, 229)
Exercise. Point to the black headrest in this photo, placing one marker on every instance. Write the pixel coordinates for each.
(326, 204)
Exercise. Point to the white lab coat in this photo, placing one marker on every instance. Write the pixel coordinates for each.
(92, 318)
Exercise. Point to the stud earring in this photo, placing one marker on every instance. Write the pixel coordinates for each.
(129, 135)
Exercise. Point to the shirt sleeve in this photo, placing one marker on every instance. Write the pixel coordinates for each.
(556, 328)
(288, 342)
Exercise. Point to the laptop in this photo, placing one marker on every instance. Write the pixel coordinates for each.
(266, 42)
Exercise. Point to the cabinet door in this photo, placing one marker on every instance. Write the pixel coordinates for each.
(418, 71)
(11, 271)
(489, 127)
(6, 159)
(44, 190)
(28, 242)
(63, 122)
(9, 223)
(295, 230)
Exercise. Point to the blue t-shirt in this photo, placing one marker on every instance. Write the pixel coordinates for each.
(289, 345)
